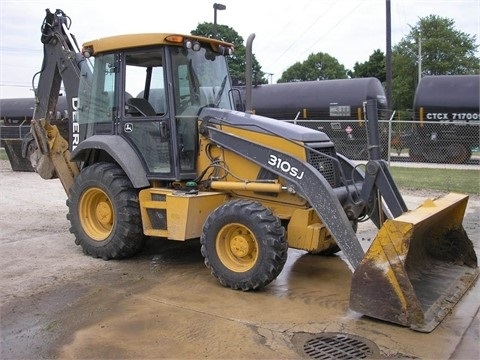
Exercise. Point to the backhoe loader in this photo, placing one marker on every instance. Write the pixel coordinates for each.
(155, 147)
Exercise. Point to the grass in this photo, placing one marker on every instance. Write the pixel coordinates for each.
(455, 180)
(3, 154)
(449, 180)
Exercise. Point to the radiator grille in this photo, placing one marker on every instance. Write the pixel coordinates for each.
(324, 164)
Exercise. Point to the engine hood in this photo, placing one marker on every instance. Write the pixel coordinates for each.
(262, 124)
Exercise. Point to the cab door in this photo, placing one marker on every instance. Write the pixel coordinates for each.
(145, 118)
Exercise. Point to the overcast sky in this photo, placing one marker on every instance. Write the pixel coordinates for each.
(285, 31)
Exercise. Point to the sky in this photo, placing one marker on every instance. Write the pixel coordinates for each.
(286, 32)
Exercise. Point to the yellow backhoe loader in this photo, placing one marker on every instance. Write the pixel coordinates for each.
(155, 147)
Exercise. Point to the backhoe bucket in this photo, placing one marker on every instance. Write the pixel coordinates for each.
(418, 267)
(13, 149)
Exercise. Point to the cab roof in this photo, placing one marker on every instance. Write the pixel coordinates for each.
(127, 41)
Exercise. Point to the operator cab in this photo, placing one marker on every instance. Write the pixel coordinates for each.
(151, 96)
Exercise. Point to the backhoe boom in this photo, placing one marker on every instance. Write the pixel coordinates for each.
(48, 146)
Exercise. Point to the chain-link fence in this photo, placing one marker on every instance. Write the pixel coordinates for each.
(13, 131)
(433, 142)
(438, 142)
(402, 141)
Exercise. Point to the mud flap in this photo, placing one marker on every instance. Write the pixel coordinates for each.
(418, 267)
(13, 148)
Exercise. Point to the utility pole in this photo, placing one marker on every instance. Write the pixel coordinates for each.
(270, 75)
(388, 57)
(419, 56)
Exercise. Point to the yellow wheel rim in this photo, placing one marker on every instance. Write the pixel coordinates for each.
(237, 247)
(96, 214)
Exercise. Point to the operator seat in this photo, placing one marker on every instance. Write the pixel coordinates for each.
(142, 106)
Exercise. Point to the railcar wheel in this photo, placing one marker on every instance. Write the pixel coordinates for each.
(458, 154)
(104, 213)
(244, 245)
(416, 156)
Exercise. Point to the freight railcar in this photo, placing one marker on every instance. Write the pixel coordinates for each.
(446, 114)
(18, 111)
(15, 117)
(16, 114)
(332, 106)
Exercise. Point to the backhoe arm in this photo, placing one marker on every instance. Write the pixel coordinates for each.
(48, 148)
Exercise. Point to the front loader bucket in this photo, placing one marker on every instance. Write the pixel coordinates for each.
(13, 148)
(418, 267)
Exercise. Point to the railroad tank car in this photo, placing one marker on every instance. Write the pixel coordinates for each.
(16, 114)
(331, 106)
(446, 114)
(18, 111)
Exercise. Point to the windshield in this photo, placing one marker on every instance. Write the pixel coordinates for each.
(200, 79)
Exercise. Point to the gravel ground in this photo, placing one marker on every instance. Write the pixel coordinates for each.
(38, 207)
(49, 291)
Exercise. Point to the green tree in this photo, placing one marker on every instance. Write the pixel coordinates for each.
(404, 81)
(444, 51)
(237, 62)
(374, 67)
(320, 66)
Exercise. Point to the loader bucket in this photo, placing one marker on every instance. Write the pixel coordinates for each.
(418, 267)
(13, 148)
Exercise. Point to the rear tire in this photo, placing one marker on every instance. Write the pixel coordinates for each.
(104, 213)
(244, 245)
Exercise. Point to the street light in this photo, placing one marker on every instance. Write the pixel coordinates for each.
(271, 77)
(215, 8)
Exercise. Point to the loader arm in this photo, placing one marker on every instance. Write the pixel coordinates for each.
(377, 175)
(420, 263)
(311, 185)
(48, 144)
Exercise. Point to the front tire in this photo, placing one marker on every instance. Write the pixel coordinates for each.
(104, 213)
(244, 245)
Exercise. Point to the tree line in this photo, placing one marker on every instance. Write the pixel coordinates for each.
(444, 51)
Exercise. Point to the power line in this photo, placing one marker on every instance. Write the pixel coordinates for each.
(334, 26)
(14, 50)
(321, 37)
(301, 35)
(13, 84)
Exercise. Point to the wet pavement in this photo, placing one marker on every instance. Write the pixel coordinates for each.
(163, 303)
